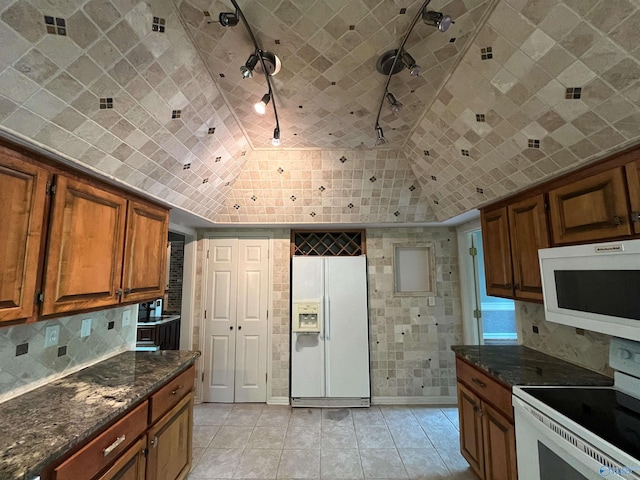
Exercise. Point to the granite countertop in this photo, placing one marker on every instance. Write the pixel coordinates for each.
(41, 425)
(520, 365)
(157, 320)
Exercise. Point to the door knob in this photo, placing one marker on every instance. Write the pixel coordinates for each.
(231, 327)
(239, 327)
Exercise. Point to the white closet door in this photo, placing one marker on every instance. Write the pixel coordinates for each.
(347, 327)
(251, 342)
(220, 324)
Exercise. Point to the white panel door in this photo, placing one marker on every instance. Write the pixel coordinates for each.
(220, 321)
(347, 327)
(251, 343)
(307, 349)
(236, 320)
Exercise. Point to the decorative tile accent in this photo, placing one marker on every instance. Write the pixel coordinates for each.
(533, 143)
(254, 198)
(352, 27)
(480, 190)
(322, 189)
(293, 198)
(277, 42)
(412, 188)
(205, 180)
(480, 117)
(372, 179)
(403, 11)
(465, 153)
(158, 24)
(452, 39)
(350, 205)
(396, 213)
(176, 114)
(236, 206)
(211, 130)
(55, 25)
(426, 153)
(573, 93)
(106, 103)
(186, 166)
(436, 202)
(434, 178)
(486, 53)
(227, 184)
(313, 214)
(343, 159)
(217, 160)
(22, 349)
(280, 170)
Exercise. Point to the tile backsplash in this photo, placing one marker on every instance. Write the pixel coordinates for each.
(590, 350)
(21, 372)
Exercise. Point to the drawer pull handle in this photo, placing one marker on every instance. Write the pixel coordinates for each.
(113, 446)
(478, 382)
(175, 392)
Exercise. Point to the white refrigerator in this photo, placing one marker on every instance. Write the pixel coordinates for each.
(330, 332)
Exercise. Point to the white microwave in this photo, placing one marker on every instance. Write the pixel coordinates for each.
(595, 287)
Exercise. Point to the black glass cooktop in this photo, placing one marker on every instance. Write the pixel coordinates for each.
(608, 413)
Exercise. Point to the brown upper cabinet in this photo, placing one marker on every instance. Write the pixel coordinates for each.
(22, 205)
(511, 238)
(633, 183)
(591, 209)
(102, 246)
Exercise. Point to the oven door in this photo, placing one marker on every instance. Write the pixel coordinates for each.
(548, 451)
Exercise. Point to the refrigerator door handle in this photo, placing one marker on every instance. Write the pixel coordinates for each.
(327, 316)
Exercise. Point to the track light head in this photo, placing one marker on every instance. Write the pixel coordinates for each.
(275, 141)
(261, 106)
(380, 140)
(228, 19)
(437, 19)
(395, 105)
(410, 63)
(247, 68)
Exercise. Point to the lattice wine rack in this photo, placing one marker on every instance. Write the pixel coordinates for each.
(328, 244)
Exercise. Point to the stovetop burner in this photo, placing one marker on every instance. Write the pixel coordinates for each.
(610, 414)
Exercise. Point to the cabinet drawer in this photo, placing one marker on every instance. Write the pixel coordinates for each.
(169, 395)
(105, 448)
(485, 387)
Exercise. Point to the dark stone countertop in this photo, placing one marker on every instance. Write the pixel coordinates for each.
(39, 426)
(520, 365)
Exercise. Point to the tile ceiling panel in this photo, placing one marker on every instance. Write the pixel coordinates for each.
(133, 90)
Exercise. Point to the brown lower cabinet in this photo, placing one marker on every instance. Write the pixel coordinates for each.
(487, 433)
(152, 441)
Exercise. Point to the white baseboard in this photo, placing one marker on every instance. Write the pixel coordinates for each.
(445, 401)
(278, 401)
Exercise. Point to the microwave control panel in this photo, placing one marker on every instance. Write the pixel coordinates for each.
(306, 317)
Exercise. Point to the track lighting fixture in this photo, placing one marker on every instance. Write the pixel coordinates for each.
(275, 141)
(410, 63)
(396, 106)
(259, 61)
(436, 19)
(381, 140)
(228, 19)
(250, 64)
(261, 106)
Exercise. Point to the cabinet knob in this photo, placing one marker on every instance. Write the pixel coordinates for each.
(516, 286)
(118, 292)
(635, 217)
(508, 285)
(127, 291)
(618, 220)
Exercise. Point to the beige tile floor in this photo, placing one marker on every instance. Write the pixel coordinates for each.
(263, 442)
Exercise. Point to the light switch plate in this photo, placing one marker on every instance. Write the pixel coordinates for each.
(85, 331)
(51, 336)
(432, 301)
(126, 318)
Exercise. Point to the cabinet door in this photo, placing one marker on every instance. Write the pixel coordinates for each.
(633, 182)
(170, 443)
(499, 445)
(22, 205)
(591, 209)
(86, 241)
(470, 429)
(528, 232)
(497, 252)
(145, 252)
(131, 464)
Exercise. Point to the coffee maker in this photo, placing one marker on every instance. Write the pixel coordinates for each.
(146, 310)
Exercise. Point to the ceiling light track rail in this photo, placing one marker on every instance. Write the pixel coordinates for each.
(227, 19)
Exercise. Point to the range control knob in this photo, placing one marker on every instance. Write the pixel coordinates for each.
(624, 354)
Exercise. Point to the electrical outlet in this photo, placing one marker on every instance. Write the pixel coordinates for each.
(51, 336)
(432, 301)
(85, 331)
(126, 318)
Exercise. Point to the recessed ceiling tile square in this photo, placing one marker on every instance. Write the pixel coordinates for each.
(16, 86)
(104, 53)
(552, 93)
(570, 109)
(519, 64)
(102, 12)
(627, 34)
(556, 60)
(509, 23)
(622, 75)
(538, 44)
(580, 39)
(608, 14)
(45, 104)
(13, 45)
(567, 135)
(559, 21)
(25, 122)
(25, 19)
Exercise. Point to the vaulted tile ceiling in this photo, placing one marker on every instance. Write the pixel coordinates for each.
(150, 95)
